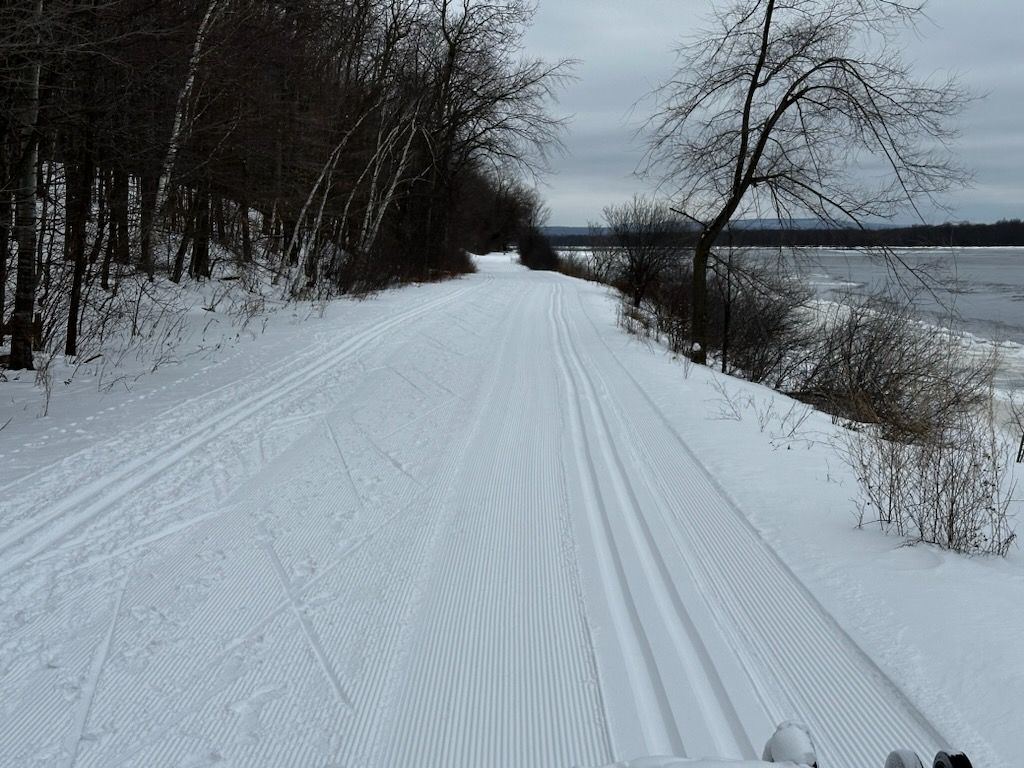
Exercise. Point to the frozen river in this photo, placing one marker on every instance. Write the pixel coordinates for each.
(978, 290)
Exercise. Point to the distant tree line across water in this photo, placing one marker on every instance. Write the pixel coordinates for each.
(1003, 233)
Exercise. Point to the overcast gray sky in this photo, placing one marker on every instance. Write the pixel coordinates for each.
(626, 49)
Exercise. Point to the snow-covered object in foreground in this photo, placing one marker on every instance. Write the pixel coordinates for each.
(902, 758)
(791, 743)
(953, 761)
(682, 762)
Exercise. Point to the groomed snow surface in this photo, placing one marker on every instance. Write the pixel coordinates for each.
(471, 524)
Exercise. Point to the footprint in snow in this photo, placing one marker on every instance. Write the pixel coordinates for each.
(203, 759)
(305, 569)
(248, 711)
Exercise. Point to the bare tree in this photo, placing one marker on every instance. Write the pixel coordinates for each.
(488, 103)
(354, 143)
(782, 107)
(646, 240)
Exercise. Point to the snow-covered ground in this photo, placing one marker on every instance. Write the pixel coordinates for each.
(469, 524)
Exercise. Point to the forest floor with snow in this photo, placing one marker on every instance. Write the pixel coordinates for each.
(469, 523)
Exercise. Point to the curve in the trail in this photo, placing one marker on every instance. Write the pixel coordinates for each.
(785, 636)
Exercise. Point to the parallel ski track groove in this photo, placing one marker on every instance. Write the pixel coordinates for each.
(649, 695)
(712, 708)
(90, 501)
(786, 626)
(283, 365)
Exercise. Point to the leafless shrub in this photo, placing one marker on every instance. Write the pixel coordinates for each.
(873, 362)
(758, 319)
(580, 266)
(671, 302)
(923, 441)
(950, 488)
(645, 237)
(731, 404)
(638, 321)
(758, 322)
(44, 380)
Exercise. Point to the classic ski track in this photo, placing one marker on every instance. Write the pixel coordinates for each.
(316, 645)
(501, 676)
(442, 681)
(707, 719)
(91, 500)
(287, 363)
(320, 343)
(371, 691)
(102, 653)
(314, 351)
(855, 711)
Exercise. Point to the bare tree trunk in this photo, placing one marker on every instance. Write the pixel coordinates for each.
(108, 252)
(727, 310)
(243, 222)
(699, 301)
(5, 253)
(22, 325)
(184, 95)
(148, 189)
(374, 218)
(119, 202)
(186, 239)
(199, 267)
(326, 170)
(79, 176)
(219, 220)
(101, 223)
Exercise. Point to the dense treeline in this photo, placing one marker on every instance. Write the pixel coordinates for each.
(1003, 233)
(347, 144)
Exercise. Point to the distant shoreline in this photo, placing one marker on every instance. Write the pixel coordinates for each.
(809, 234)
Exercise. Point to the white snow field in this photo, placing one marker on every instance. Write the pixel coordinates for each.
(471, 524)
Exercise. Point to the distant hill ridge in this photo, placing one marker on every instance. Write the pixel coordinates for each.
(745, 224)
(810, 232)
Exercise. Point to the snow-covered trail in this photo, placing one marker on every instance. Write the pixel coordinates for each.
(458, 531)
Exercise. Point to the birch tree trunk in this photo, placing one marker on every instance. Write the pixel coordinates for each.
(370, 237)
(147, 198)
(181, 108)
(296, 235)
(5, 253)
(27, 114)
